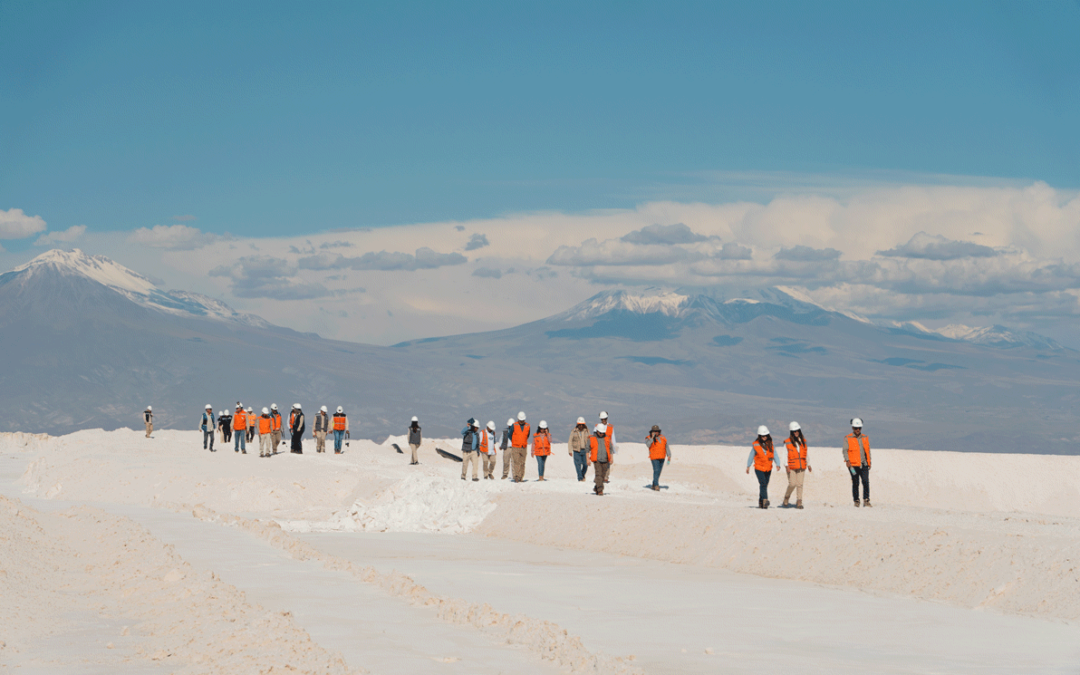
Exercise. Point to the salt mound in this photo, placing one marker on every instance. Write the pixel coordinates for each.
(418, 503)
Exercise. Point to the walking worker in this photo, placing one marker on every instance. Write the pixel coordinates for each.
(519, 439)
(275, 427)
(857, 458)
(614, 443)
(415, 439)
(226, 426)
(341, 427)
(505, 446)
(764, 461)
(148, 418)
(797, 465)
(600, 456)
(251, 419)
(266, 433)
(320, 428)
(487, 450)
(578, 447)
(296, 428)
(240, 429)
(658, 452)
(470, 448)
(208, 426)
(223, 437)
(541, 448)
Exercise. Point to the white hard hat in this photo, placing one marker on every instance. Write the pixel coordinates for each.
(239, 405)
(794, 426)
(581, 420)
(603, 415)
(414, 419)
(600, 428)
(490, 425)
(266, 411)
(273, 406)
(149, 407)
(249, 409)
(521, 416)
(209, 407)
(856, 423)
(295, 406)
(322, 409)
(543, 424)
(763, 430)
(510, 422)
(340, 409)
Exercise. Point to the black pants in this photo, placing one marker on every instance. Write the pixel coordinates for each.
(860, 473)
(763, 483)
(296, 444)
(226, 432)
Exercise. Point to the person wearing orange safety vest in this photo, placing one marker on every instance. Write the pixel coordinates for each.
(275, 427)
(658, 452)
(614, 443)
(764, 461)
(519, 441)
(266, 433)
(856, 453)
(252, 418)
(488, 448)
(320, 428)
(541, 449)
(296, 429)
(797, 464)
(600, 446)
(240, 426)
(340, 426)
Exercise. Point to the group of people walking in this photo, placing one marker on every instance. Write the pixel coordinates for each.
(242, 425)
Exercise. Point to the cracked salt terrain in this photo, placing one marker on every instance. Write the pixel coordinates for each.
(131, 555)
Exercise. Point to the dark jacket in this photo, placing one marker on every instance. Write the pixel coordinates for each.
(414, 435)
(470, 439)
(506, 437)
(207, 424)
(297, 427)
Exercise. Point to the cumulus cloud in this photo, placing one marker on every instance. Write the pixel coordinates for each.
(487, 272)
(679, 233)
(936, 247)
(62, 237)
(173, 237)
(424, 259)
(268, 277)
(477, 241)
(808, 254)
(733, 251)
(14, 224)
(619, 252)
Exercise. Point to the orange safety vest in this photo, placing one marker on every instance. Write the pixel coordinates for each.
(854, 453)
(266, 423)
(796, 455)
(658, 449)
(239, 421)
(276, 419)
(339, 421)
(763, 458)
(520, 436)
(542, 444)
(594, 447)
(484, 441)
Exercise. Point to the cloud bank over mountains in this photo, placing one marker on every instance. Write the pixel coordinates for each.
(974, 255)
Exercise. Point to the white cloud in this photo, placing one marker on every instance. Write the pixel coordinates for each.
(425, 259)
(937, 247)
(477, 241)
(67, 236)
(14, 224)
(174, 237)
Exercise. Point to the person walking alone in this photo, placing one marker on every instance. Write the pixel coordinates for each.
(487, 450)
(764, 461)
(266, 433)
(797, 464)
(296, 428)
(541, 448)
(578, 447)
(240, 429)
(415, 439)
(519, 439)
(208, 426)
(506, 447)
(857, 458)
(340, 424)
(470, 448)
(600, 456)
(320, 428)
(658, 452)
(275, 427)
(148, 419)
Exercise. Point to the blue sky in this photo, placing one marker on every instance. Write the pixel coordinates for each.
(278, 119)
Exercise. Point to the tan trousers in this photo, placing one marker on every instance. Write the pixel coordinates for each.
(149, 429)
(414, 448)
(794, 483)
(275, 439)
(517, 461)
(489, 466)
(600, 471)
(320, 441)
(467, 458)
(266, 445)
(506, 461)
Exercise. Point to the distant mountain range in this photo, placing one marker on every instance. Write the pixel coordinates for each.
(91, 343)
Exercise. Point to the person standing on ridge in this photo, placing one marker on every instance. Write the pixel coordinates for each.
(658, 452)
(506, 447)
(252, 418)
(240, 429)
(600, 456)
(275, 427)
(148, 418)
(614, 443)
(578, 448)
(470, 448)
(519, 439)
(320, 428)
(225, 420)
(541, 447)
(296, 428)
(857, 458)
(797, 465)
(764, 461)
(341, 427)
(487, 450)
(266, 433)
(208, 426)
(415, 439)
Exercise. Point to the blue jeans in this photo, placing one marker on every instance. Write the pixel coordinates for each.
(540, 461)
(763, 483)
(863, 473)
(657, 467)
(339, 434)
(581, 465)
(208, 436)
(239, 444)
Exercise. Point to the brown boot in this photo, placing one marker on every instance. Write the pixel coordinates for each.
(600, 492)
(866, 503)
(856, 503)
(786, 504)
(798, 504)
(761, 503)
(765, 504)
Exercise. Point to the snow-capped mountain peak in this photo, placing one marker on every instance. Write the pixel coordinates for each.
(95, 267)
(650, 301)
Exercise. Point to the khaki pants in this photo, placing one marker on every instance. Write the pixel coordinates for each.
(414, 448)
(517, 461)
(320, 441)
(275, 438)
(600, 471)
(794, 483)
(506, 461)
(489, 466)
(149, 429)
(467, 458)
(266, 447)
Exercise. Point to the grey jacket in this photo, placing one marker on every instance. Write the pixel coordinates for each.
(414, 435)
